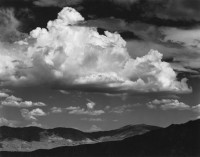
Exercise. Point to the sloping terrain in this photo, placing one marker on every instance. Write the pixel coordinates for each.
(181, 140)
(33, 138)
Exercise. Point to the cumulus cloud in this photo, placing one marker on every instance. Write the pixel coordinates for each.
(32, 115)
(168, 104)
(64, 92)
(181, 45)
(90, 104)
(69, 56)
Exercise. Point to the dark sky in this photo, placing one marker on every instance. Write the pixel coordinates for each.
(100, 66)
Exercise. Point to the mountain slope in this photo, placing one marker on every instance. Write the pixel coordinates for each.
(175, 141)
(33, 138)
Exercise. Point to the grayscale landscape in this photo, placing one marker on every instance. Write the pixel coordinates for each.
(99, 78)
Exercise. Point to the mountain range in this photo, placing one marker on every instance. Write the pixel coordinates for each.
(33, 138)
(177, 140)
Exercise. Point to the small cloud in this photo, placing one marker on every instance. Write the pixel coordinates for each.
(196, 109)
(115, 120)
(90, 104)
(64, 92)
(92, 119)
(107, 107)
(13, 98)
(3, 95)
(151, 106)
(72, 108)
(35, 124)
(123, 108)
(94, 128)
(82, 111)
(56, 110)
(32, 115)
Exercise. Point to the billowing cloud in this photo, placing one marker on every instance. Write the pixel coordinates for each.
(74, 57)
(168, 104)
(179, 44)
(32, 115)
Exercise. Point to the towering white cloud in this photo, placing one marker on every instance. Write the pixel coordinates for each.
(70, 55)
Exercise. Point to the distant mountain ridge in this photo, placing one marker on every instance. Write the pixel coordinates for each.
(181, 140)
(33, 138)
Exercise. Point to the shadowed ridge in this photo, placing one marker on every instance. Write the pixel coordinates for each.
(34, 138)
(180, 140)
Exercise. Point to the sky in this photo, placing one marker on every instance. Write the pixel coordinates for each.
(99, 65)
